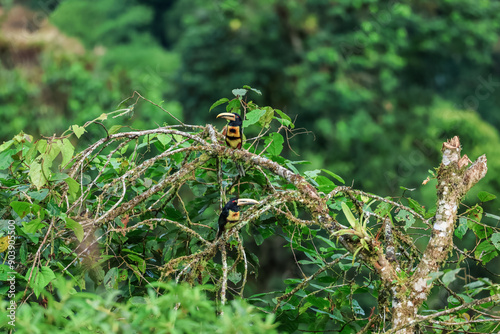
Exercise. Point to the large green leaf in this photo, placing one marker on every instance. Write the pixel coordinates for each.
(218, 103)
(485, 196)
(38, 174)
(76, 227)
(67, 149)
(253, 117)
(275, 142)
(40, 278)
(21, 208)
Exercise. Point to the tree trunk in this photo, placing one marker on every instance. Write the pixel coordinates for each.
(454, 181)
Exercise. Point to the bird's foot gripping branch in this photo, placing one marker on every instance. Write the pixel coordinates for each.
(139, 207)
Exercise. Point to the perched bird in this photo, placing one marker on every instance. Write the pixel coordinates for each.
(233, 130)
(230, 214)
(234, 134)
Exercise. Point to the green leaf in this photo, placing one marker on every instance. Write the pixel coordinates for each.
(495, 239)
(275, 142)
(485, 252)
(325, 184)
(462, 228)
(450, 276)
(312, 173)
(73, 187)
(39, 195)
(59, 176)
(37, 176)
(283, 115)
(485, 196)
(267, 118)
(67, 150)
(259, 239)
(348, 214)
(319, 302)
(383, 209)
(21, 208)
(76, 227)
(78, 130)
(40, 278)
(6, 158)
(252, 89)
(253, 117)
(284, 122)
(290, 281)
(102, 117)
(489, 215)
(114, 129)
(34, 225)
(49, 157)
(30, 155)
(239, 92)
(233, 106)
(110, 279)
(335, 176)
(4, 272)
(141, 264)
(41, 146)
(416, 206)
(234, 276)
(164, 139)
(407, 217)
(475, 215)
(218, 103)
(23, 252)
(357, 308)
(6, 145)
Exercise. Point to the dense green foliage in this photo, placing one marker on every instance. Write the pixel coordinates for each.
(139, 207)
(371, 90)
(180, 309)
(364, 78)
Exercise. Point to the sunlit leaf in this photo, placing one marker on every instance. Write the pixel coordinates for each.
(218, 103)
(78, 130)
(485, 196)
(239, 92)
(253, 117)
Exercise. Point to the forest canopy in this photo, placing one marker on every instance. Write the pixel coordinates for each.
(367, 125)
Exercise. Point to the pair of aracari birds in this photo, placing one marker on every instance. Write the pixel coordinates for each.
(230, 214)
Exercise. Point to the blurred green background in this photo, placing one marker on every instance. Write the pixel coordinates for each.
(375, 86)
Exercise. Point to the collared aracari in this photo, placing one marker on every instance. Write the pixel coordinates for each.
(233, 130)
(230, 214)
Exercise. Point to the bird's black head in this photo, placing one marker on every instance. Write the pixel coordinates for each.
(235, 203)
(232, 205)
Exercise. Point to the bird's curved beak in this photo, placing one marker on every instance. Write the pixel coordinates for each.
(247, 201)
(227, 115)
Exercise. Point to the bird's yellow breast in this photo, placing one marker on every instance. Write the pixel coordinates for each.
(233, 131)
(233, 216)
